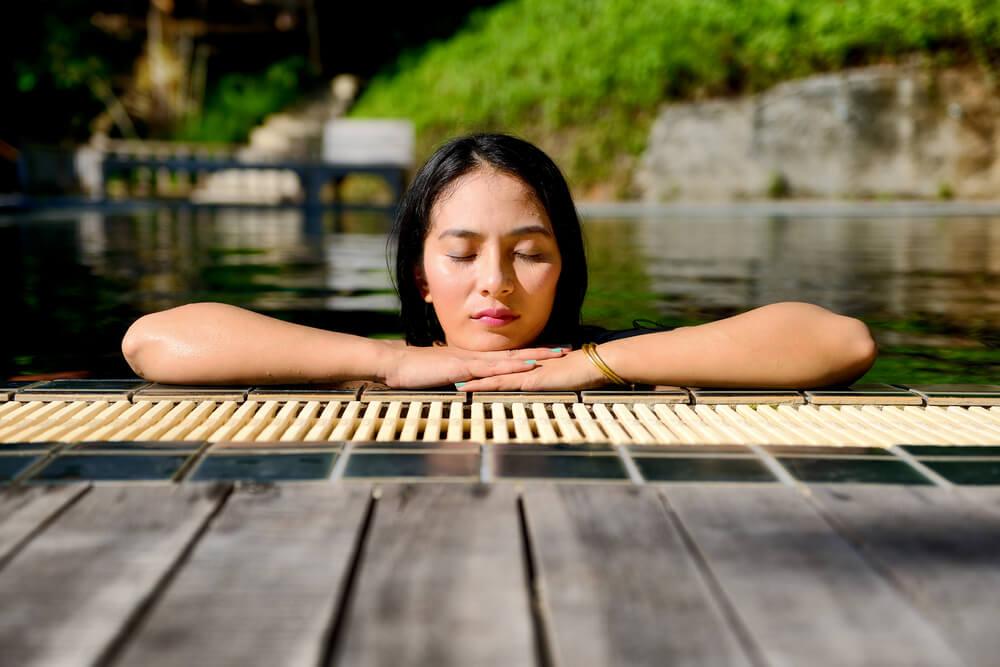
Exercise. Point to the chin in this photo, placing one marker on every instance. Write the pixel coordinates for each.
(490, 342)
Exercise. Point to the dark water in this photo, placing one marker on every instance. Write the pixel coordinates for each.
(928, 288)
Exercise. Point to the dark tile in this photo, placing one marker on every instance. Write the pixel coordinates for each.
(412, 465)
(445, 395)
(959, 394)
(110, 467)
(956, 389)
(265, 467)
(14, 385)
(967, 472)
(173, 392)
(125, 446)
(525, 397)
(882, 394)
(109, 390)
(559, 466)
(689, 450)
(746, 396)
(258, 446)
(86, 386)
(13, 465)
(664, 395)
(9, 388)
(813, 451)
(28, 447)
(680, 469)
(564, 448)
(952, 450)
(416, 446)
(294, 392)
(872, 471)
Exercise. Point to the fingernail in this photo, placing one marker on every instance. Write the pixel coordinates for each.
(530, 362)
(556, 349)
(459, 385)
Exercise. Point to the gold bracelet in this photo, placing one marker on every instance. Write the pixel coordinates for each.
(590, 349)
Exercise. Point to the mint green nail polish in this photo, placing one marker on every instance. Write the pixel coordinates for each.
(530, 362)
(459, 385)
(556, 349)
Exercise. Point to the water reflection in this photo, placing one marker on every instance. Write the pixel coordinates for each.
(928, 287)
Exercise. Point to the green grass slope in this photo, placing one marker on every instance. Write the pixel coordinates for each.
(584, 78)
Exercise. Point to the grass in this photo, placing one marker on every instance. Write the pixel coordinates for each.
(240, 101)
(584, 78)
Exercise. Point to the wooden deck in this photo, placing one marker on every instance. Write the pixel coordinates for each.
(509, 573)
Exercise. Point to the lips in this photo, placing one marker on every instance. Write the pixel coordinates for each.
(495, 317)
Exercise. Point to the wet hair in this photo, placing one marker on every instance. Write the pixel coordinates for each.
(508, 155)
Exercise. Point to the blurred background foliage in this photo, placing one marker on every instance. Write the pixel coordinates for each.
(583, 78)
(67, 60)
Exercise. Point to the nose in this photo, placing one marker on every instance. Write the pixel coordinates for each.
(495, 277)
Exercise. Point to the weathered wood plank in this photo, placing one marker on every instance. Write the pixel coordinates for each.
(987, 497)
(70, 592)
(943, 551)
(619, 584)
(442, 581)
(24, 510)
(804, 593)
(261, 586)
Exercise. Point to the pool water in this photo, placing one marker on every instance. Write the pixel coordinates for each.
(929, 288)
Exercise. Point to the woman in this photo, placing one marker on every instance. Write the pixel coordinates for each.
(491, 274)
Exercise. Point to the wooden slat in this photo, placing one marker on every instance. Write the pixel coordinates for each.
(456, 428)
(522, 427)
(943, 551)
(432, 428)
(25, 510)
(78, 584)
(325, 422)
(806, 596)
(391, 422)
(477, 423)
(347, 422)
(568, 431)
(546, 434)
(619, 585)
(411, 426)
(261, 586)
(591, 431)
(442, 581)
(498, 423)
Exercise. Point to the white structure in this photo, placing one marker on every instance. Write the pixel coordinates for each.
(369, 142)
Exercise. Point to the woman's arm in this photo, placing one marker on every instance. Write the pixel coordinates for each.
(793, 345)
(788, 344)
(213, 343)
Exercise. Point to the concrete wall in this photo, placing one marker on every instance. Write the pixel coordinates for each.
(901, 131)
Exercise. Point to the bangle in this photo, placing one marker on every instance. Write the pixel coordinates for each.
(590, 349)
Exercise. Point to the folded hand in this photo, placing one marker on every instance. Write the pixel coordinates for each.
(572, 371)
(419, 367)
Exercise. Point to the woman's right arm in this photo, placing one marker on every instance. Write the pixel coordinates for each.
(214, 343)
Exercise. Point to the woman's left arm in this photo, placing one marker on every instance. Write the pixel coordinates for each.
(788, 344)
(782, 345)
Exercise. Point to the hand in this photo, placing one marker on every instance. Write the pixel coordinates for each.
(572, 371)
(419, 367)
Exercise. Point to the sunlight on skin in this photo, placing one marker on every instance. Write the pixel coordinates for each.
(490, 248)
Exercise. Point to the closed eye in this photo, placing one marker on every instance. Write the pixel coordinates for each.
(530, 258)
(462, 258)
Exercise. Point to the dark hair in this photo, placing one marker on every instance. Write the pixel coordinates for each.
(509, 155)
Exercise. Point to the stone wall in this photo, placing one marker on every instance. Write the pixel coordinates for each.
(899, 131)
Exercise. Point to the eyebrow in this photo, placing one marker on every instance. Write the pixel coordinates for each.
(520, 231)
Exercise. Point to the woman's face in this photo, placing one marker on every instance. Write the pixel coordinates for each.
(490, 264)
